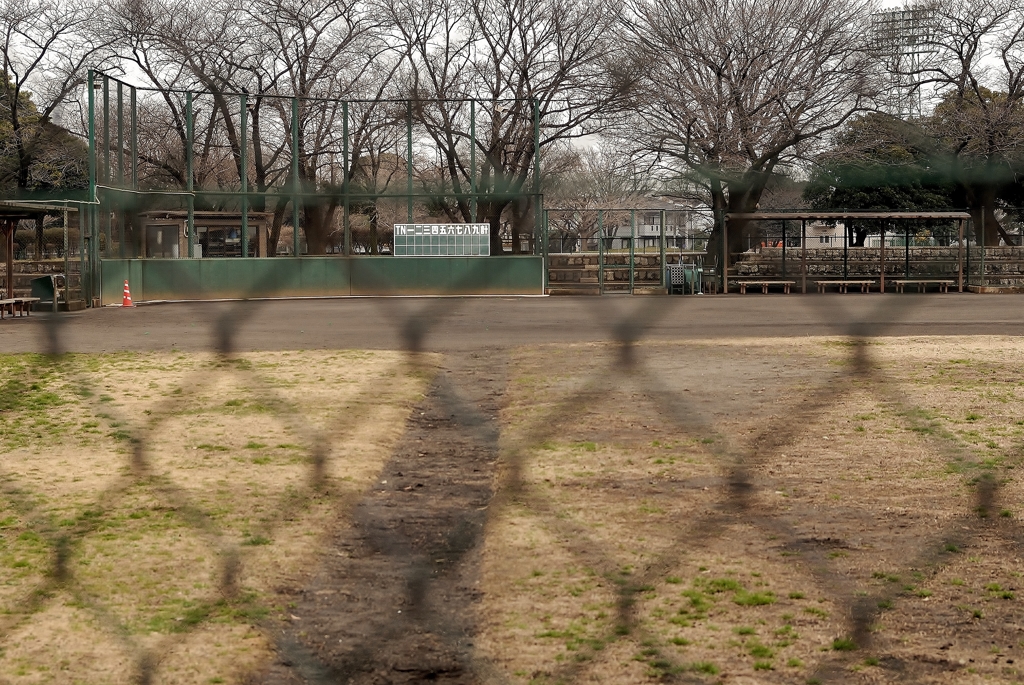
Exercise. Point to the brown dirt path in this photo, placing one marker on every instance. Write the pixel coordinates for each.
(392, 601)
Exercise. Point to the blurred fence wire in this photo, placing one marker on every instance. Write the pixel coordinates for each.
(431, 553)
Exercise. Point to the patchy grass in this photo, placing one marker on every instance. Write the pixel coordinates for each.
(833, 460)
(226, 450)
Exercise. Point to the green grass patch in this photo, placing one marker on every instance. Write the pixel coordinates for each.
(752, 599)
(844, 644)
(705, 667)
(718, 585)
(256, 540)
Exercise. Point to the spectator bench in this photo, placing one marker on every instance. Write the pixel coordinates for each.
(17, 305)
(844, 285)
(922, 284)
(764, 285)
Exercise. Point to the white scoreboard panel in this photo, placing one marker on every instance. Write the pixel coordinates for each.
(442, 240)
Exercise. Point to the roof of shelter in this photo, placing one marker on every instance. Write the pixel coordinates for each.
(11, 209)
(811, 216)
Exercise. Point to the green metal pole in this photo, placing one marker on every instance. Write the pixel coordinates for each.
(408, 156)
(803, 256)
(664, 268)
(472, 160)
(82, 275)
(783, 248)
(967, 246)
(93, 197)
(120, 134)
(725, 252)
(600, 250)
(981, 269)
(881, 261)
(344, 179)
(537, 199)
(67, 262)
(295, 177)
(906, 251)
(632, 249)
(92, 135)
(961, 233)
(544, 250)
(190, 225)
(135, 138)
(106, 129)
(120, 167)
(107, 251)
(243, 120)
(846, 249)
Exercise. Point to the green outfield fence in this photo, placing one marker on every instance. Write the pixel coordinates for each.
(205, 279)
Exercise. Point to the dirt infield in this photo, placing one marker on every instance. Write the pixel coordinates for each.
(658, 504)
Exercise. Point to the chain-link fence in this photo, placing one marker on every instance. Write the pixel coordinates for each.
(620, 506)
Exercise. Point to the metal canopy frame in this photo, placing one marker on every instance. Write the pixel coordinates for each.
(13, 211)
(962, 219)
(114, 157)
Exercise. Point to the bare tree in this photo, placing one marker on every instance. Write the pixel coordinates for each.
(47, 46)
(511, 57)
(322, 53)
(211, 48)
(328, 52)
(730, 91)
(978, 70)
(593, 179)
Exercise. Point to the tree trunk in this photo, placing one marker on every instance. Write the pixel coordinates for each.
(736, 197)
(491, 212)
(317, 226)
(497, 247)
(986, 227)
(714, 250)
(523, 220)
(275, 229)
(980, 199)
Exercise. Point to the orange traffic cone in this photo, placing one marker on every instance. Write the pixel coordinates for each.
(127, 300)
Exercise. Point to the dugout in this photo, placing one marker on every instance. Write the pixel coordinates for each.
(217, 234)
(780, 248)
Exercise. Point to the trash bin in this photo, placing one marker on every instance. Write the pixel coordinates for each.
(45, 288)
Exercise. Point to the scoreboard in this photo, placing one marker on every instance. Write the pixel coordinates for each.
(442, 240)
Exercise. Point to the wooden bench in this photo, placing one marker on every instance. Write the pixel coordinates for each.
(844, 286)
(24, 304)
(922, 284)
(6, 305)
(764, 285)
